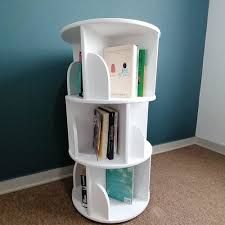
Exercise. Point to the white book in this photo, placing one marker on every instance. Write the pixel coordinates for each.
(122, 65)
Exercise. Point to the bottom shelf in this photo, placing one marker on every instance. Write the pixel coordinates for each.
(119, 211)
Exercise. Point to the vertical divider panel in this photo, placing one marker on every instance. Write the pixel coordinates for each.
(72, 131)
(97, 77)
(76, 50)
(98, 200)
(92, 42)
(137, 147)
(142, 180)
(137, 120)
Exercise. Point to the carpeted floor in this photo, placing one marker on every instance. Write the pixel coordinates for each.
(187, 188)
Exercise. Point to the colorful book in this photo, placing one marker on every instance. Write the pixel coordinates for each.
(97, 131)
(104, 134)
(122, 65)
(120, 184)
(142, 59)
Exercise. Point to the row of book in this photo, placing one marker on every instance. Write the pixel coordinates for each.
(119, 185)
(105, 139)
(127, 68)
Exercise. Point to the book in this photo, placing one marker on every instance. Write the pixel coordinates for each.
(141, 70)
(97, 131)
(75, 79)
(84, 196)
(83, 188)
(81, 75)
(122, 65)
(104, 134)
(114, 130)
(110, 146)
(120, 184)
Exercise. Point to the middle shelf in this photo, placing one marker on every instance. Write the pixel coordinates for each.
(132, 147)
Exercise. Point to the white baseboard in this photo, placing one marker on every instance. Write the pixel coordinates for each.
(35, 179)
(173, 145)
(63, 172)
(211, 145)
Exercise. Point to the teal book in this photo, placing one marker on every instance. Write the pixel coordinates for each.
(76, 80)
(120, 184)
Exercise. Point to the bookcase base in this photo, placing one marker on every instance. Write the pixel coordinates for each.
(119, 211)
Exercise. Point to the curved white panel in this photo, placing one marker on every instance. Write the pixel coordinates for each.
(71, 79)
(75, 138)
(102, 203)
(74, 174)
(137, 147)
(97, 77)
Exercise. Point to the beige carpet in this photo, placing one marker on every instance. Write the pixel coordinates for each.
(187, 188)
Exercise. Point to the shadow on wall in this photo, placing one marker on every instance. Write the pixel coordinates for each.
(33, 115)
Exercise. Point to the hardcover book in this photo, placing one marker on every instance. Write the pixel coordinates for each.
(113, 132)
(120, 184)
(97, 131)
(104, 134)
(122, 65)
(110, 147)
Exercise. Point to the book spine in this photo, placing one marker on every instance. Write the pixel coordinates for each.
(84, 197)
(83, 190)
(116, 121)
(81, 75)
(110, 147)
(141, 71)
(83, 180)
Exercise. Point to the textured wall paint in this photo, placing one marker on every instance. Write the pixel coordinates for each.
(34, 61)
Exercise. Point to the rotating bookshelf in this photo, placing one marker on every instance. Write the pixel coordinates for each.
(91, 37)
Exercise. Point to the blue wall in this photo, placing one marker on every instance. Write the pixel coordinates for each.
(34, 61)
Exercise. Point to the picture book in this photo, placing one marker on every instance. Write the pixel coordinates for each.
(122, 65)
(120, 184)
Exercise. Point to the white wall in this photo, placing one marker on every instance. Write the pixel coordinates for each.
(211, 115)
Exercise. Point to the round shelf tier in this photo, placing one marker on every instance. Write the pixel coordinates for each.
(108, 27)
(119, 211)
(76, 99)
(117, 162)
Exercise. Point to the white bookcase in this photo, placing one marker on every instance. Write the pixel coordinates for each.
(91, 37)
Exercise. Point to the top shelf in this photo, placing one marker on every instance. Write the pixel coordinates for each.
(108, 27)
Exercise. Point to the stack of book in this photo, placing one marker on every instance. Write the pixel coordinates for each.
(105, 140)
(127, 67)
